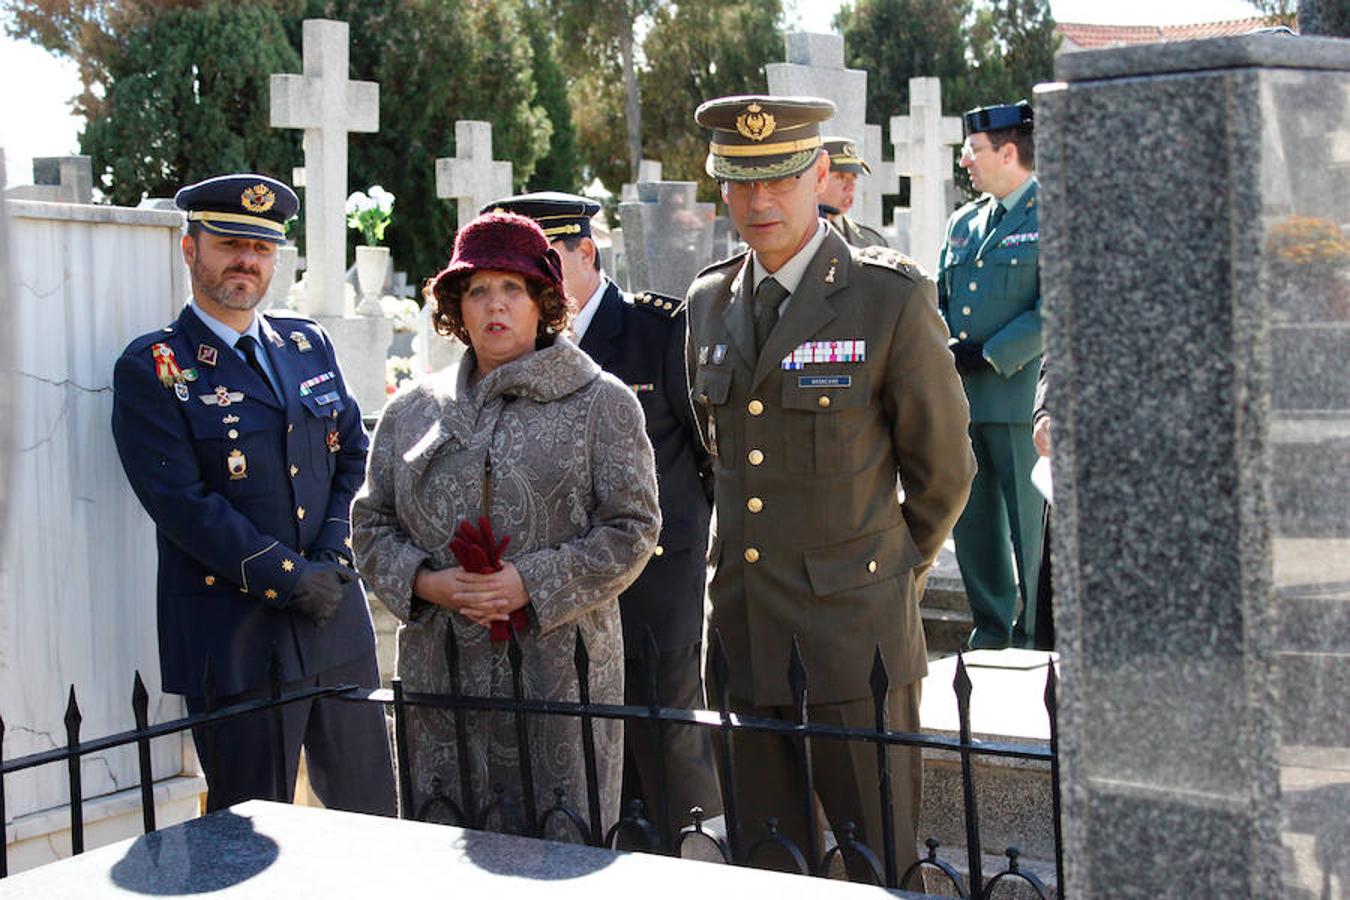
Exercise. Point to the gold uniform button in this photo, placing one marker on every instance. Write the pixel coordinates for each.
(962, 335)
(823, 402)
(1013, 261)
(754, 407)
(233, 434)
(210, 580)
(290, 426)
(659, 550)
(295, 470)
(300, 513)
(979, 264)
(974, 286)
(965, 310)
(755, 456)
(751, 555)
(754, 504)
(872, 566)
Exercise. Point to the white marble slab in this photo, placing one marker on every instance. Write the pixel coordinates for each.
(77, 576)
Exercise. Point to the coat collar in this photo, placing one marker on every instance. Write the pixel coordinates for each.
(547, 374)
(229, 369)
(810, 308)
(1013, 219)
(603, 335)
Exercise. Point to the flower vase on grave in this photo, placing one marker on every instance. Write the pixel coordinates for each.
(372, 264)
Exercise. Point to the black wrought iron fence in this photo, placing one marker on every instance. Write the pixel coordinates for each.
(634, 830)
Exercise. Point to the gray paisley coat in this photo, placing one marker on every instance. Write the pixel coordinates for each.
(573, 483)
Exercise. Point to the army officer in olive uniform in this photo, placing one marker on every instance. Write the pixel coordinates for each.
(243, 444)
(989, 290)
(846, 167)
(640, 339)
(820, 374)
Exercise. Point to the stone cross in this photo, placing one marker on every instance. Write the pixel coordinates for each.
(923, 151)
(327, 105)
(882, 181)
(472, 176)
(649, 170)
(815, 68)
(667, 235)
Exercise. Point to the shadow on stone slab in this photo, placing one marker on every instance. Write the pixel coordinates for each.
(198, 857)
(537, 860)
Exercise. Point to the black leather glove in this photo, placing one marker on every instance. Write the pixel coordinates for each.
(969, 357)
(319, 592)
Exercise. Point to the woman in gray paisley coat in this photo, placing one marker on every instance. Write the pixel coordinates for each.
(530, 432)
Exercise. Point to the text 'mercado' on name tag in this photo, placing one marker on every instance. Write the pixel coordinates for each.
(824, 381)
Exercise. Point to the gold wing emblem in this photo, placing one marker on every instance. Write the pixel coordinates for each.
(258, 199)
(755, 123)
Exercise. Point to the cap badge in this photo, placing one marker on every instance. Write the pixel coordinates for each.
(755, 123)
(258, 199)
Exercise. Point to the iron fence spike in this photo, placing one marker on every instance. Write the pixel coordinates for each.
(880, 679)
(797, 675)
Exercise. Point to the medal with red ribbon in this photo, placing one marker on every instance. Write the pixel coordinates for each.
(166, 367)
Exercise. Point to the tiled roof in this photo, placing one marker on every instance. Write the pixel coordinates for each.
(1092, 37)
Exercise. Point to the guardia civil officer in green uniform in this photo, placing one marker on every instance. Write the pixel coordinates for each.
(820, 375)
(640, 339)
(846, 166)
(989, 290)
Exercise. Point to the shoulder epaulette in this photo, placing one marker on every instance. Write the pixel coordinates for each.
(662, 305)
(868, 229)
(290, 315)
(886, 258)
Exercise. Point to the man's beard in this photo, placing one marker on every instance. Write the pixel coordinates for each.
(238, 298)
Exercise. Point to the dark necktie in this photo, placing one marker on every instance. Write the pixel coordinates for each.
(249, 345)
(995, 217)
(768, 297)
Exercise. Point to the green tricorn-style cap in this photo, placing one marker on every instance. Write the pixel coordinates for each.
(762, 138)
(998, 118)
(844, 156)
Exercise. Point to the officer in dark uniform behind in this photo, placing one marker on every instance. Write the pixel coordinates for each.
(821, 375)
(989, 291)
(241, 440)
(846, 165)
(640, 339)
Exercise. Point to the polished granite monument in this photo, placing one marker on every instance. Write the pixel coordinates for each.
(1195, 262)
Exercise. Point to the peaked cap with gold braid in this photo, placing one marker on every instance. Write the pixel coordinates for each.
(560, 215)
(844, 156)
(762, 138)
(245, 205)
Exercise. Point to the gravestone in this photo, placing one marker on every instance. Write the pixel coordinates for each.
(924, 142)
(472, 176)
(648, 170)
(1201, 585)
(58, 179)
(882, 182)
(815, 68)
(6, 362)
(667, 236)
(328, 105)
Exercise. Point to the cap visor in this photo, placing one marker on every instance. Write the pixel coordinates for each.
(243, 230)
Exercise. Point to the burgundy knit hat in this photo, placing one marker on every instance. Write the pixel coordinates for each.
(508, 243)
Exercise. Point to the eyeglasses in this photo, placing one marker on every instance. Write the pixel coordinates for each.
(776, 187)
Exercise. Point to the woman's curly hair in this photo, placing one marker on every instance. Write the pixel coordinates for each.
(448, 317)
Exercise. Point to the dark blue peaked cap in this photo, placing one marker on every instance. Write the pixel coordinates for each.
(997, 118)
(247, 205)
(560, 215)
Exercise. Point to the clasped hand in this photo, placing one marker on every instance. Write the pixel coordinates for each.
(481, 598)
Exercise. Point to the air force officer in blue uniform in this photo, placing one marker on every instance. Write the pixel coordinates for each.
(243, 444)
